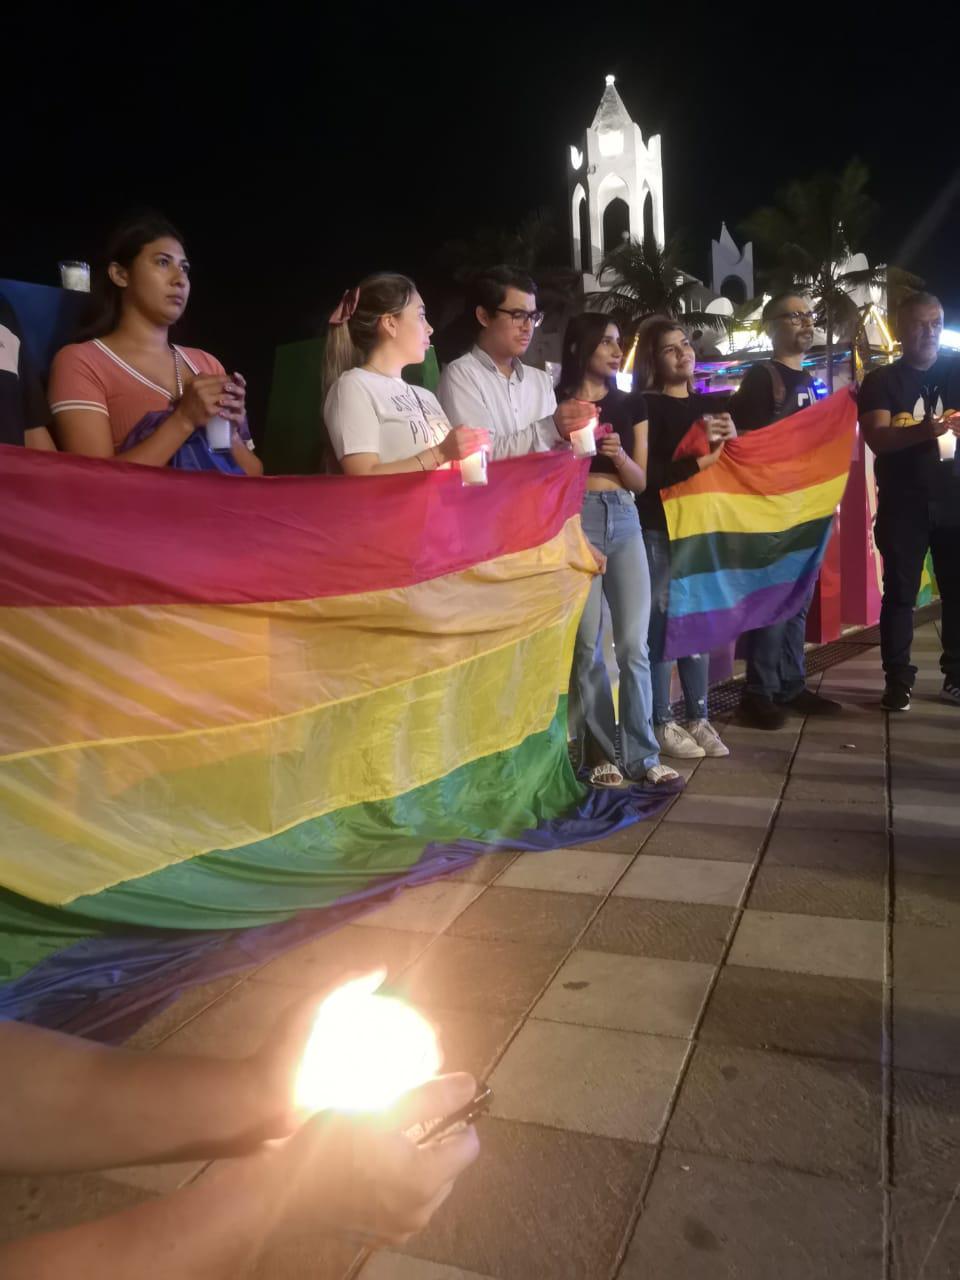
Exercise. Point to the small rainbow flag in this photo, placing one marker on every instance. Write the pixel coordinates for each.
(747, 535)
(231, 710)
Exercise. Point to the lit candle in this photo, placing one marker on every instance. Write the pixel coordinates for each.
(76, 276)
(364, 1051)
(584, 440)
(473, 468)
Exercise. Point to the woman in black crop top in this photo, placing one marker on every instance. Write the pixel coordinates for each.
(664, 365)
(591, 358)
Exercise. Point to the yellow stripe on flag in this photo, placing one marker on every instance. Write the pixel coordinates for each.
(697, 513)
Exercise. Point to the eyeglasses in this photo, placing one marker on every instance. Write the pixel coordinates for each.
(796, 317)
(520, 318)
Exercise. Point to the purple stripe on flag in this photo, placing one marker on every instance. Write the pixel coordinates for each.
(702, 632)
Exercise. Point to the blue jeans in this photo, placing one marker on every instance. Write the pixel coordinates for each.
(693, 670)
(611, 523)
(776, 666)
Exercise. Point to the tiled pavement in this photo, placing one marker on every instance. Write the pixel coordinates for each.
(726, 1044)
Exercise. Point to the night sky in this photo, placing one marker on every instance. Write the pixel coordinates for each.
(299, 152)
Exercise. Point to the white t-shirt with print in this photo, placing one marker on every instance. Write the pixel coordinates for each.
(368, 412)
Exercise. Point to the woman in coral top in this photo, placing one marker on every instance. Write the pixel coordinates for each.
(129, 393)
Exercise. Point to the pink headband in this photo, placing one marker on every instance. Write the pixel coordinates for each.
(346, 307)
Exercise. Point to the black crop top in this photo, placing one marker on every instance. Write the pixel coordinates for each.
(621, 410)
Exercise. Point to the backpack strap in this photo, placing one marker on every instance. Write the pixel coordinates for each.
(779, 386)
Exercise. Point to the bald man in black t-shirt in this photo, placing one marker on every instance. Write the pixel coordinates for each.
(904, 414)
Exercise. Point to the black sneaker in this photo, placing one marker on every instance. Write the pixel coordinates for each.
(808, 703)
(760, 713)
(896, 697)
(950, 692)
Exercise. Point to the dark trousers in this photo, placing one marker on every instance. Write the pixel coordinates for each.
(905, 532)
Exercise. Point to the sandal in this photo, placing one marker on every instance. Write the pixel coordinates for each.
(605, 775)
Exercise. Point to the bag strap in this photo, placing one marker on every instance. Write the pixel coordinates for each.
(779, 386)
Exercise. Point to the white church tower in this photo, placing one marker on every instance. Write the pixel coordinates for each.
(732, 268)
(615, 184)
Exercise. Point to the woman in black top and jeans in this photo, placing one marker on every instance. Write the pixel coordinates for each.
(591, 358)
(663, 371)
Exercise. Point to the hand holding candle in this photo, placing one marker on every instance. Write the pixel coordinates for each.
(365, 1050)
(573, 415)
(461, 442)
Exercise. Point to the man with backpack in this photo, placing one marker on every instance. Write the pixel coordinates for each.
(775, 389)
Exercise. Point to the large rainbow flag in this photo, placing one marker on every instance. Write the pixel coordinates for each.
(747, 535)
(234, 711)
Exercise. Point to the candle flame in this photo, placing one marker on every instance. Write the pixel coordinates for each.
(365, 1050)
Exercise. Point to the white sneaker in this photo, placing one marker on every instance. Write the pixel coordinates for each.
(661, 773)
(705, 735)
(675, 741)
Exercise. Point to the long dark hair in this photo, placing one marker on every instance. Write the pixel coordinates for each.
(583, 335)
(123, 246)
(652, 329)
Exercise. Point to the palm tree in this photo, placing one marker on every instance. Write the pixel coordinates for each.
(646, 280)
(811, 233)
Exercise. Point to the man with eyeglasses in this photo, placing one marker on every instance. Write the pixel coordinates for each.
(776, 667)
(491, 387)
(908, 412)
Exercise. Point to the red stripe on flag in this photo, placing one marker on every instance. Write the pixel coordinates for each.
(83, 531)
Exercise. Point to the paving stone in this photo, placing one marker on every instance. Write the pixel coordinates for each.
(628, 840)
(817, 891)
(712, 882)
(926, 855)
(926, 1131)
(707, 1218)
(526, 915)
(926, 957)
(812, 1114)
(627, 993)
(933, 900)
(538, 1203)
(696, 840)
(566, 871)
(613, 1083)
(839, 788)
(809, 815)
(712, 779)
(426, 908)
(31, 1204)
(387, 1265)
(471, 1041)
(810, 944)
(817, 759)
(349, 949)
(722, 811)
(670, 930)
(485, 868)
(938, 820)
(747, 758)
(926, 1030)
(479, 976)
(857, 851)
(160, 1179)
(236, 1025)
(795, 1013)
(925, 1237)
(737, 735)
(177, 1014)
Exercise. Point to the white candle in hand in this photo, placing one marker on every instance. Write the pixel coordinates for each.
(364, 1051)
(584, 440)
(473, 468)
